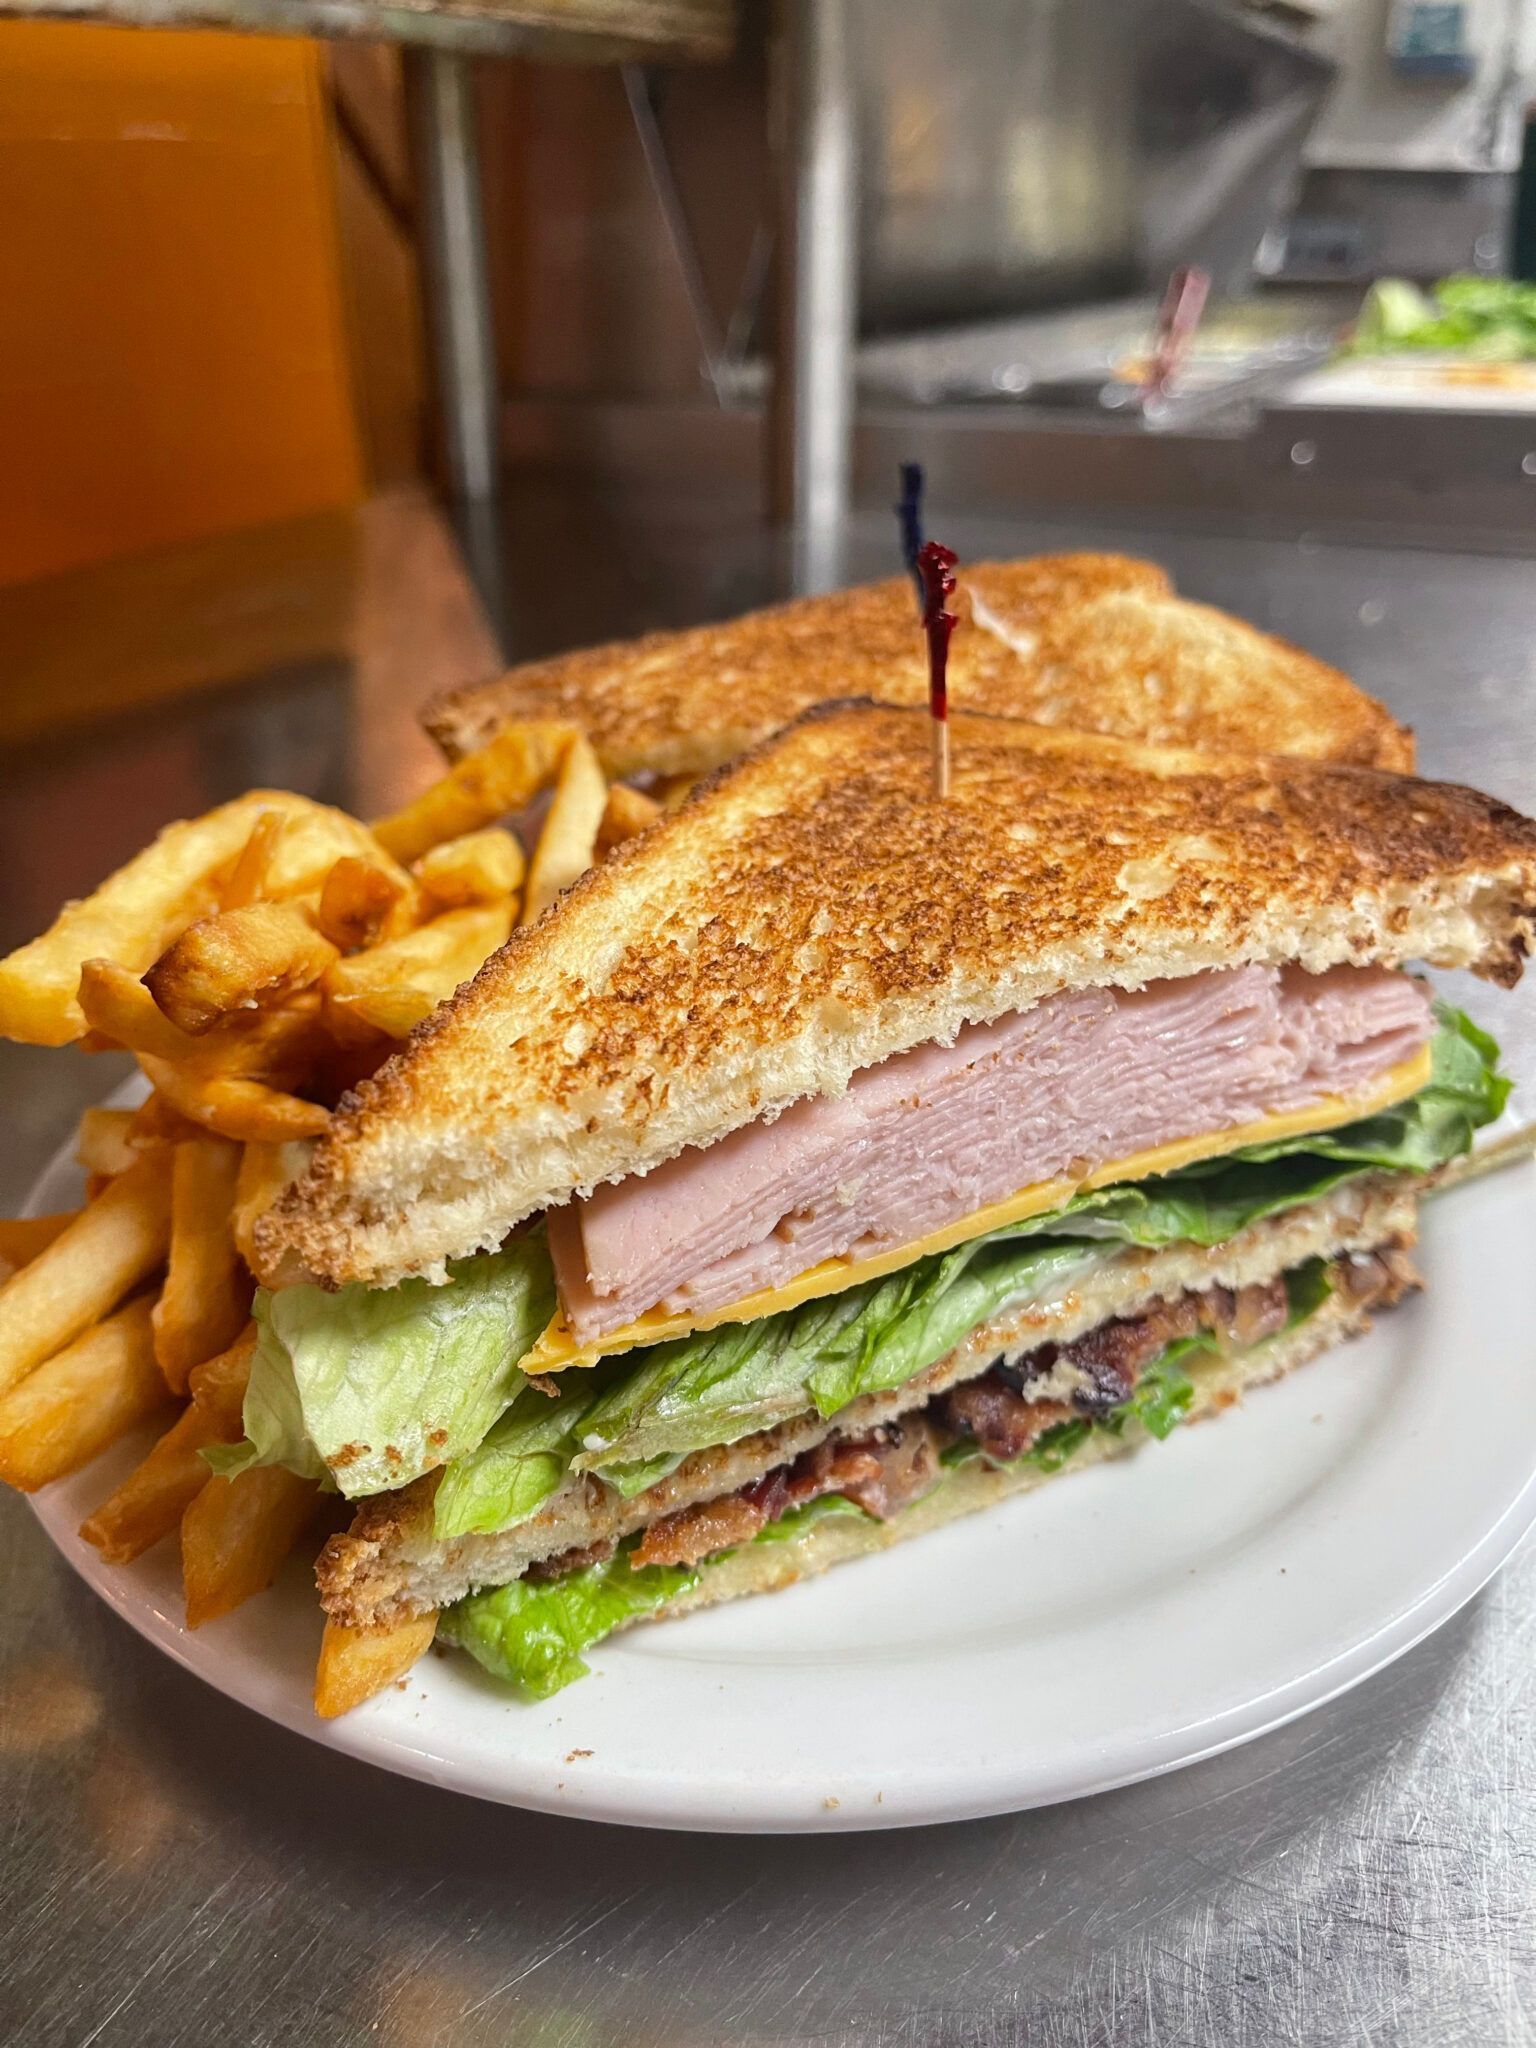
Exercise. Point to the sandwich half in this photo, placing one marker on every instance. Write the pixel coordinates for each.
(1101, 643)
(835, 1160)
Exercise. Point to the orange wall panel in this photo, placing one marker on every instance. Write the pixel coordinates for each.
(172, 350)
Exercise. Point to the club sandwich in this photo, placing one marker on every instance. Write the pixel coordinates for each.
(834, 1161)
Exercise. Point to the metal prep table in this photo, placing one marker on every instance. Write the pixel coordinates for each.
(175, 1871)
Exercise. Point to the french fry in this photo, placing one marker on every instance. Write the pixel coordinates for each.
(360, 904)
(265, 1170)
(233, 1107)
(109, 1249)
(395, 985)
(313, 840)
(246, 959)
(356, 1663)
(235, 1535)
(80, 1400)
(104, 1141)
(207, 1293)
(479, 867)
(157, 1493)
(217, 1386)
(246, 881)
(138, 911)
(118, 1005)
(23, 1237)
(626, 812)
(362, 1017)
(569, 838)
(670, 793)
(496, 779)
(154, 1122)
(281, 1047)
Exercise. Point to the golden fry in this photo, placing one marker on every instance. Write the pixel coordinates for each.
(370, 1014)
(207, 1293)
(109, 1249)
(496, 779)
(265, 1170)
(80, 1401)
(569, 838)
(217, 1386)
(157, 1492)
(118, 1005)
(395, 985)
(234, 1107)
(138, 911)
(479, 867)
(626, 812)
(155, 1121)
(314, 839)
(356, 1663)
(235, 1535)
(247, 959)
(247, 879)
(281, 1047)
(104, 1141)
(23, 1237)
(360, 905)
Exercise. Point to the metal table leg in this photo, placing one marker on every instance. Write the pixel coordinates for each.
(812, 405)
(440, 97)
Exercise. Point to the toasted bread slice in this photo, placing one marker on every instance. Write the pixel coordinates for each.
(1098, 642)
(814, 909)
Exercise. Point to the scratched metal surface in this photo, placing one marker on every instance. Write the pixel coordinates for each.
(174, 1871)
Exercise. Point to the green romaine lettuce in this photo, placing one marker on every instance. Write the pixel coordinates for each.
(1489, 319)
(534, 1631)
(513, 1471)
(377, 1385)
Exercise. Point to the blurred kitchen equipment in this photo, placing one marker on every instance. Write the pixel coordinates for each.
(941, 171)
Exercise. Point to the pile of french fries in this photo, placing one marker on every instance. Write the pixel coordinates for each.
(256, 961)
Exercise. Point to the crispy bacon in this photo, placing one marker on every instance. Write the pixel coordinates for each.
(883, 1472)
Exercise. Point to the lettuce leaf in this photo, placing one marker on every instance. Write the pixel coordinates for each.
(720, 1385)
(377, 1385)
(534, 1631)
(513, 1471)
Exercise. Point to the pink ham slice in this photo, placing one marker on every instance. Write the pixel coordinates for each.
(1081, 1080)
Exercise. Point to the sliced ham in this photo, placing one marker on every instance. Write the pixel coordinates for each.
(1082, 1080)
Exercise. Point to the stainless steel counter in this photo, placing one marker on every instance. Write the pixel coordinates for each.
(174, 1871)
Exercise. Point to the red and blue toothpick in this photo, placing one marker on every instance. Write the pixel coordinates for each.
(909, 518)
(936, 581)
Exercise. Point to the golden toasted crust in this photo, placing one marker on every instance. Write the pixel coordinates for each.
(814, 910)
(1099, 642)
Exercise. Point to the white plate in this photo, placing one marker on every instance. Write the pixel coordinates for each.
(1133, 1618)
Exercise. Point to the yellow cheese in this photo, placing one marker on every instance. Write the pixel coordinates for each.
(558, 1349)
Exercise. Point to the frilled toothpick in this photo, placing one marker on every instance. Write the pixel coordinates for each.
(935, 568)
